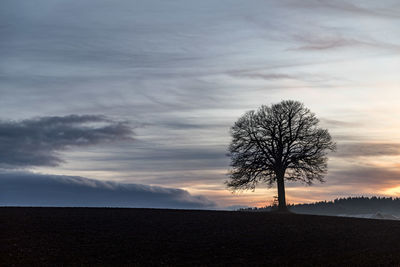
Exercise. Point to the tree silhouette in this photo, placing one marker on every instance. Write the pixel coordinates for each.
(277, 143)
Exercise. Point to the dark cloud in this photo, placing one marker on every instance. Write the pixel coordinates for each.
(29, 189)
(365, 149)
(35, 142)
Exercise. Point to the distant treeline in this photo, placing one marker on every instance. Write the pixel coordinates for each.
(349, 205)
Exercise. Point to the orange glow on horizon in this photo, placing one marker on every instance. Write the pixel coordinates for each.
(392, 191)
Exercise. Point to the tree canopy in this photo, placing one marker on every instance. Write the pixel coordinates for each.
(276, 143)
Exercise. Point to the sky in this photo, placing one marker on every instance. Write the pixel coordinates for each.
(135, 99)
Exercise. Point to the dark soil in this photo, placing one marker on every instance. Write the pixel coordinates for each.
(151, 237)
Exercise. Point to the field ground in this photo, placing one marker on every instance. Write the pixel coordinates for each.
(152, 237)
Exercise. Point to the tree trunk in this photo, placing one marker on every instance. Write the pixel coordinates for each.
(281, 193)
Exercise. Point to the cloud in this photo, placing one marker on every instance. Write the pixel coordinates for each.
(365, 149)
(30, 189)
(330, 123)
(384, 10)
(324, 42)
(36, 142)
(365, 178)
(262, 76)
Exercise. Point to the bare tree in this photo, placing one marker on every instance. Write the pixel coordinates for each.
(277, 143)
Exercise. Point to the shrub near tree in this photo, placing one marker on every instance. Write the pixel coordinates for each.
(277, 143)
